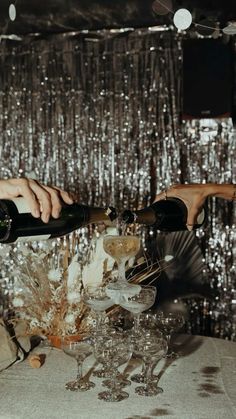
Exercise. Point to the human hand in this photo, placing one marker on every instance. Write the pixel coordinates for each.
(44, 201)
(193, 195)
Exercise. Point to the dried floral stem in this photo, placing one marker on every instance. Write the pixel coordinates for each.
(49, 298)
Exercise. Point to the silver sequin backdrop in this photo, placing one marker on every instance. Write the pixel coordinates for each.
(97, 113)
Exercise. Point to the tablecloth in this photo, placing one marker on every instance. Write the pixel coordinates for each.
(199, 384)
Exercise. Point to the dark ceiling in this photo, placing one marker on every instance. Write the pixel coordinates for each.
(53, 16)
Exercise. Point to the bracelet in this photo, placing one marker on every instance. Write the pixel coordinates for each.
(234, 194)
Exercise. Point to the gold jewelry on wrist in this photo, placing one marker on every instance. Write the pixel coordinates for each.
(234, 194)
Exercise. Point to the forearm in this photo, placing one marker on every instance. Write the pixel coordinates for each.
(224, 191)
(195, 194)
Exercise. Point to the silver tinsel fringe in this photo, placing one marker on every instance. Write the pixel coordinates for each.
(97, 113)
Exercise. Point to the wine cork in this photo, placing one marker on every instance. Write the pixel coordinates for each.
(36, 360)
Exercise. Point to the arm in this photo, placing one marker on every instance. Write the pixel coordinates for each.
(43, 200)
(224, 191)
(194, 196)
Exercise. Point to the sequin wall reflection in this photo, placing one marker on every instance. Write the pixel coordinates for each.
(98, 114)
(92, 113)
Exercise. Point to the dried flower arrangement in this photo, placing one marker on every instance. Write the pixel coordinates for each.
(48, 285)
(47, 291)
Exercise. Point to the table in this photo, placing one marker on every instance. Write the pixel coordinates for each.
(200, 384)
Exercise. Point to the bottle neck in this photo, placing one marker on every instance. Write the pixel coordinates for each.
(85, 213)
(166, 215)
(96, 214)
(146, 216)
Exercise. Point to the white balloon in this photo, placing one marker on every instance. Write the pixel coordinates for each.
(12, 12)
(182, 19)
(230, 29)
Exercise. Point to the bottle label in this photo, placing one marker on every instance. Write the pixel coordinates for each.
(33, 238)
(22, 207)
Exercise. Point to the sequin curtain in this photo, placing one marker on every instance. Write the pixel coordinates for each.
(210, 147)
(99, 114)
(85, 112)
(91, 113)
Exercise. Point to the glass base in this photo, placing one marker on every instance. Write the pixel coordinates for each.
(171, 355)
(121, 382)
(108, 396)
(79, 385)
(137, 378)
(102, 373)
(148, 391)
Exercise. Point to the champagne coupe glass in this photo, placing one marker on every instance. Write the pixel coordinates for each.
(121, 248)
(79, 349)
(138, 303)
(113, 349)
(151, 347)
(147, 322)
(168, 323)
(95, 297)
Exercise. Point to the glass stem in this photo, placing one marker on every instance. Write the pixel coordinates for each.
(168, 339)
(121, 271)
(101, 317)
(147, 372)
(113, 388)
(79, 369)
(154, 377)
(143, 370)
(136, 318)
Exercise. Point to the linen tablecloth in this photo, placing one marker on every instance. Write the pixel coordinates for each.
(200, 384)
